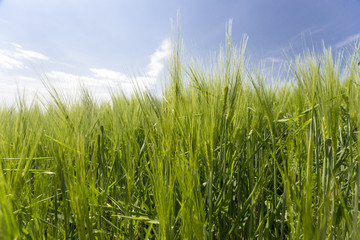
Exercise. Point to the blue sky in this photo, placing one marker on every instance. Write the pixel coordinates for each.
(111, 43)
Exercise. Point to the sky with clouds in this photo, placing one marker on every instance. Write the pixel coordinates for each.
(114, 43)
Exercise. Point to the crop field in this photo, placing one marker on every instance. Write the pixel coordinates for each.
(227, 152)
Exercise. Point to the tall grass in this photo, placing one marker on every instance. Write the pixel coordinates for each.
(223, 154)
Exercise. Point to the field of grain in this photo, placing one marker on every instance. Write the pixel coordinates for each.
(223, 154)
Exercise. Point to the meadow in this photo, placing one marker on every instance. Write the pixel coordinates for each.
(228, 152)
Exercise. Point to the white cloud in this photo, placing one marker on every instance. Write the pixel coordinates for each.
(9, 62)
(99, 81)
(28, 79)
(29, 55)
(103, 73)
(63, 76)
(348, 40)
(156, 64)
(144, 83)
(15, 56)
(15, 45)
(127, 83)
(70, 82)
(11, 85)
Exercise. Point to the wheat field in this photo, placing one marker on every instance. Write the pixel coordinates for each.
(225, 153)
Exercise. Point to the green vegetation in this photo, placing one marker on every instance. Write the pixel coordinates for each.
(223, 154)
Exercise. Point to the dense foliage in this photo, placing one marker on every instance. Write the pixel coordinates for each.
(223, 154)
